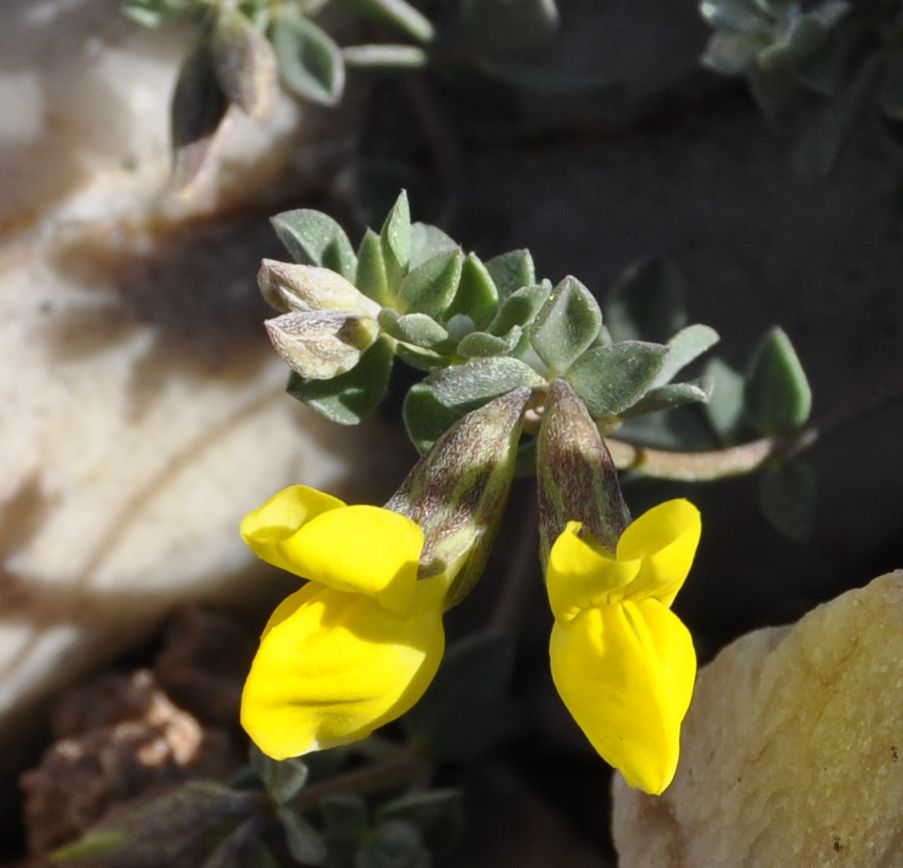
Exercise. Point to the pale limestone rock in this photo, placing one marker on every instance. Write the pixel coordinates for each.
(141, 408)
(792, 751)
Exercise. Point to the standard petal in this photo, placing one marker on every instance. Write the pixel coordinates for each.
(665, 537)
(335, 666)
(360, 548)
(582, 575)
(266, 527)
(625, 673)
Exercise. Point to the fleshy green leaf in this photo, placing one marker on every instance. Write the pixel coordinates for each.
(788, 493)
(304, 842)
(198, 107)
(282, 780)
(566, 325)
(153, 13)
(510, 271)
(351, 397)
(370, 277)
(519, 308)
(777, 396)
(412, 328)
(477, 297)
(426, 242)
(245, 65)
(438, 814)
(395, 236)
(430, 287)
(426, 419)
(611, 379)
(773, 90)
(461, 715)
(737, 16)
(685, 347)
(312, 238)
(397, 13)
(647, 302)
(730, 53)
(310, 63)
(393, 844)
(388, 58)
(506, 26)
(480, 380)
(480, 345)
(422, 358)
(669, 397)
(725, 406)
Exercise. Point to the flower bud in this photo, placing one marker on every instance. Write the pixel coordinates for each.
(288, 286)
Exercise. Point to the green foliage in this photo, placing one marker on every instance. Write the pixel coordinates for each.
(312, 238)
(788, 493)
(282, 780)
(310, 63)
(777, 396)
(566, 325)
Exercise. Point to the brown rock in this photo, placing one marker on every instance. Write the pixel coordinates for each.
(791, 751)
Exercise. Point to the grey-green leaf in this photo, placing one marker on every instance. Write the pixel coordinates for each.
(611, 379)
(731, 53)
(479, 380)
(519, 308)
(245, 65)
(310, 63)
(426, 419)
(725, 406)
(412, 328)
(430, 287)
(351, 397)
(483, 345)
(669, 397)
(397, 13)
(777, 396)
(304, 842)
(477, 297)
(382, 57)
(685, 347)
(285, 780)
(393, 844)
(647, 302)
(370, 277)
(788, 493)
(426, 242)
(566, 325)
(438, 814)
(737, 16)
(396, 240)
(313, 238)
(510, 271)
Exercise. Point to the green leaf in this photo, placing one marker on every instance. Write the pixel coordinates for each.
(611, 379)
(438, 814)
(480, 380)
(304, 842)
(395, 236)
(788, 493)
(153, 13)
(566, 325)
(421, 358)
(647, 302)
(412, 328)
(397, 13)
(510, 271)
(730, 53)
(426, 242)
(685, 347)
(481, 345)
(284, 779)
(824, 70)
(426, 418)
(519, 308)
(352, 397)
(509, 26)
(669, 397)
(725, 406)
(94, 844)
(737, 16)
(312, 238)
(310, 63)
(777, 395)
(198, 107)
(820, 148)
(389, 58)
(430, 287)
(241, 849)
(477, 298)
(773, 90)
(462, 713)
(370, 277)
(245, 65)
(393, 844)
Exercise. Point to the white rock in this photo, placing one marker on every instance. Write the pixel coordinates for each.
(792, 752)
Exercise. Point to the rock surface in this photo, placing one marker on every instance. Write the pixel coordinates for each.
(792, 752)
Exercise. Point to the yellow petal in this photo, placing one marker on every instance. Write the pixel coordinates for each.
(335, 666)
(582, 575)
(266, 527)
(665, 538)
(366, 549)
(625, 672)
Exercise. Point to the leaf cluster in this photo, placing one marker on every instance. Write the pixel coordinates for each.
(848, 54)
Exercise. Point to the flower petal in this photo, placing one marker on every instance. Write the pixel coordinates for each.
(266, 527)
(582, 575)
(360, 548)
(625, 672)
(335, 666)
(665, 537)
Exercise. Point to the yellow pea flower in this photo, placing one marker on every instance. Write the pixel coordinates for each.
(622, 662)
(358, 645)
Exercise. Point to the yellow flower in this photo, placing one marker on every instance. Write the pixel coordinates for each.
(358, 645)
(622, 662)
